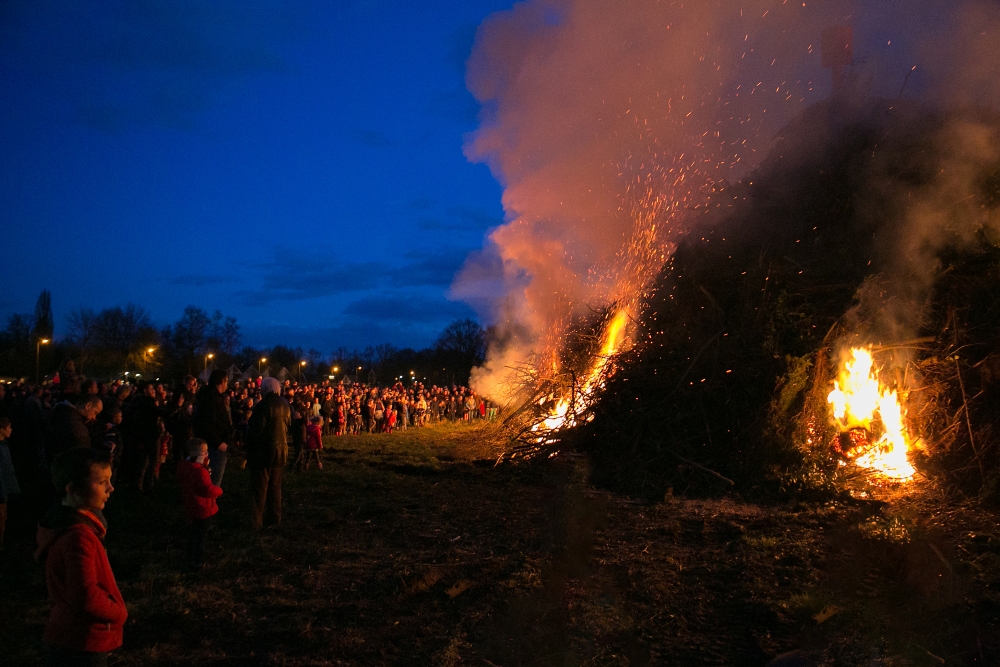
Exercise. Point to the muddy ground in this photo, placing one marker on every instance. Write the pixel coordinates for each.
(414, 549)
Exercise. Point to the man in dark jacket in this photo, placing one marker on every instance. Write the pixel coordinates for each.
(142, 427)
(267, 452)
(211, 422)
(69, 425)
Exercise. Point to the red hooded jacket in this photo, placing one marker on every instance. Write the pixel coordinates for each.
(314, 437)
(197, 490)
(88, 612)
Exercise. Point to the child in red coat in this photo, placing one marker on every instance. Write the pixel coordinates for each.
(88, 612)
(198, 494)
(314, 442)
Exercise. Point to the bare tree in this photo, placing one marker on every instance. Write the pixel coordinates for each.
(461, 346)
(80, 327)
(230, 336)
(44, 325)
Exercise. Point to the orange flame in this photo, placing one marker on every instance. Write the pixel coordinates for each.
(857, 397)
(563, 414)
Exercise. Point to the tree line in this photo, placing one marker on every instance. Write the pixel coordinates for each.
(109, 343)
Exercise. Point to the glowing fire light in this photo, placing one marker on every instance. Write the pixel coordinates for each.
(857, 398)
(561, 416)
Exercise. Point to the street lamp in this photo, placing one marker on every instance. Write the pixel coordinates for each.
(302, 365)
(147, 358)
(38, 350)
(262, 360)
(208, 356)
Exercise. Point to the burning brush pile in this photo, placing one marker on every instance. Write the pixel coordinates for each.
(831, 321)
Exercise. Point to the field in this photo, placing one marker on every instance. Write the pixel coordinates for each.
(414, 549)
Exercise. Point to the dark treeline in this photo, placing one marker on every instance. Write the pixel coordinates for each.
(107, 344)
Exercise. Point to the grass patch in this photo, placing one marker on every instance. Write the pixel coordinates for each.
(413, 549)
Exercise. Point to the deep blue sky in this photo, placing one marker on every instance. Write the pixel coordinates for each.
(299, 168)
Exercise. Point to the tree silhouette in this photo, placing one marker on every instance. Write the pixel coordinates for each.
(44, 325)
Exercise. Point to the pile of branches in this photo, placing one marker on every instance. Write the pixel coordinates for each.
(727, 384)
(539, 385)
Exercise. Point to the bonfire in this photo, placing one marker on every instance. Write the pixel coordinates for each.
(862, 406)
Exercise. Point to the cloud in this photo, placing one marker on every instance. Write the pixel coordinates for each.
(421, 204)
(430, 268)
(455, 105)
(460, 42)
(407, 308)
(145, 62)
(475, 215)
(374, 139)
(467, 219)
(354, 333)
(196, 280)
(292, 274)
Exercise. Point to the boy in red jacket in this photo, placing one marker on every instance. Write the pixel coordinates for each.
(198, 494)
(88, 612)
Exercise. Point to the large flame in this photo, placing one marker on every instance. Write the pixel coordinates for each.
(857, 397)
(563, 413)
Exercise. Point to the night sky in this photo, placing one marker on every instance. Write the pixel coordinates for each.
(298, 167)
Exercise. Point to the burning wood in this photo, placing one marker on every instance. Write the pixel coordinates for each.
(862, 405)
(567, 410)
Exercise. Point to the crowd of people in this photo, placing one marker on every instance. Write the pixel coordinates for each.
(143, 425)
(74, 440)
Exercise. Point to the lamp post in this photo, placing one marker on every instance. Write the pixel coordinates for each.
(262, 360)
(147, 358)
(302, 364)
(38, 351)
(210, 355)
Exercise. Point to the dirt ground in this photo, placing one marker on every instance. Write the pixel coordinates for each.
(413, 549)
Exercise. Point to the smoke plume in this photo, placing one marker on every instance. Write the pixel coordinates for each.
(608, 123)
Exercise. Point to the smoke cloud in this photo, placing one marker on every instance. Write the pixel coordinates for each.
(608, 123)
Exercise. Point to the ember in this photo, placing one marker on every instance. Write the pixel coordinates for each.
(862, 404)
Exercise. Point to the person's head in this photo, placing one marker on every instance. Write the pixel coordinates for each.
(318, 421)
(147, 389)
(190, 383)
(124, 391)
(270, 386)
(82, 475)
(116, 417)
(89, 387)
(219, 379)
(197, 450)
(90, 406)
(5, 428)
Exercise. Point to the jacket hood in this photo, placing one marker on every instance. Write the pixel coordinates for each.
(60, 519)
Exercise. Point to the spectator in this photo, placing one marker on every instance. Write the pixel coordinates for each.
(112, 442)
(69, 381)
(88, 612)
(314, 442)
(198, 495)
(211, 422)
(143, 426)
(298, 429)
(267, 453)
(68, 427)
(8, 481)
(178, 420)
